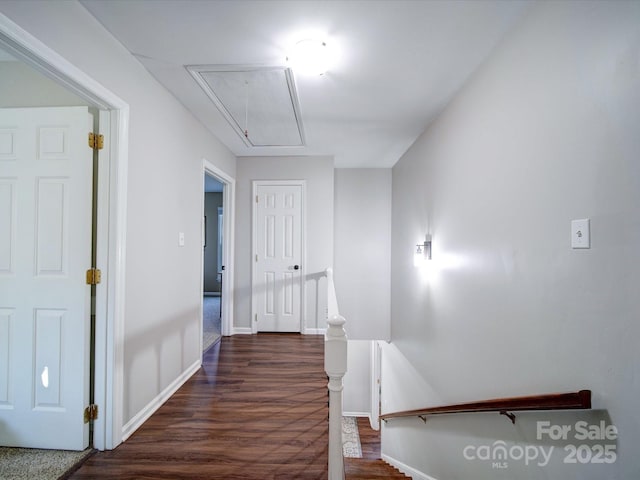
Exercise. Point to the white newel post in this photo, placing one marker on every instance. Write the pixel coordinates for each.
(335, 364)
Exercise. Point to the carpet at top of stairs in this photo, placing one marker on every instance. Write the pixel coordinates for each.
(211, 328)
(351, 447)
(32, 464)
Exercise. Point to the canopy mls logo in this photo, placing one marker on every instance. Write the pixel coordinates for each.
(499, 454)
(598, 446)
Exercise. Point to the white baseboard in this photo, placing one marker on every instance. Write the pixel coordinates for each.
(314, 331)
(406, 469)
(355, 414)
(248, 331)
(366, 415)
(144, 414)
(242, 331)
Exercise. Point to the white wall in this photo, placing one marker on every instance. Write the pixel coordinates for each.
(167, 144)
(318, 173)
(356, 395)
(545, 132)
(362, 251)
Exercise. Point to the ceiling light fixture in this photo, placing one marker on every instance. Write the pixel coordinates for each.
(309, 57)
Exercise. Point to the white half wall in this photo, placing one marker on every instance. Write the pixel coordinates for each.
(318, 174)
(363, 251)
(546, 131)
(356, 396)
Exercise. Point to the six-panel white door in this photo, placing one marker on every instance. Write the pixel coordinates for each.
(45, 249)
(277, 282)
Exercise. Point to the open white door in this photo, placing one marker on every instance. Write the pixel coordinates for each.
(45, 249)
(277, 279)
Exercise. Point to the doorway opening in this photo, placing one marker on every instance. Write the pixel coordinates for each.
(217, 255)
(213, 266)
(110, 228)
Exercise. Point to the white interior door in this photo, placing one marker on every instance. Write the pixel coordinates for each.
(45, 249)
(277, 280)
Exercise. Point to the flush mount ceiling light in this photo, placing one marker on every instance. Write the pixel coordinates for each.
(310, 57)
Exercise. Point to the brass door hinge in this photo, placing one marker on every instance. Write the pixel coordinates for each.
(94, 276)
(91, 413)
(96, 141)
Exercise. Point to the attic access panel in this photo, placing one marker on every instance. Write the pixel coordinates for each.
(260, 103)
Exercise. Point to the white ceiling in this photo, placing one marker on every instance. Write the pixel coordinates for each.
(400, 61)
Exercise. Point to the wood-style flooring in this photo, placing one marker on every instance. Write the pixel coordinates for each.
(257, 409)
(370, 466)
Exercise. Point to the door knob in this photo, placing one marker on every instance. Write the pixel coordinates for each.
(296, 267)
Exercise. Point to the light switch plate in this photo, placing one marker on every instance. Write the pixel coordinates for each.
(580, 233)
(181, 239)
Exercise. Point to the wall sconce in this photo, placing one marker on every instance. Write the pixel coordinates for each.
(422, 252)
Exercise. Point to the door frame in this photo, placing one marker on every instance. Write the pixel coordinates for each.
(376, 384)
(254, 248)
(111, 221)
(228, 235)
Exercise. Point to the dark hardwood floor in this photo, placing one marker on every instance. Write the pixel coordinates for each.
(369, 467)
(369, 439)
(257, 409)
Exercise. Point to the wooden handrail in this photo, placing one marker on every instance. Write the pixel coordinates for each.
(552, 401)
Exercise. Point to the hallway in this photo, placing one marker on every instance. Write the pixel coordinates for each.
(257, 409)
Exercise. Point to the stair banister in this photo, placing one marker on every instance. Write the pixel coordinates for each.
(335, 365)
(332, 301)
(505, 406)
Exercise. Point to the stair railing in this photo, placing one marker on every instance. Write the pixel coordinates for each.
(335, 364)
(505, 406)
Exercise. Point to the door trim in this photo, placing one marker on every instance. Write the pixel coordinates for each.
(375, 379)
(228, 240)
(254, 248)
(111, 222)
